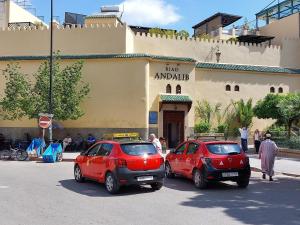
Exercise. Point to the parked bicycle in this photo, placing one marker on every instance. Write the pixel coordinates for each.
(14, 154)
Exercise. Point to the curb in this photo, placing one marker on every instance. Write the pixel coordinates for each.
(286, 174)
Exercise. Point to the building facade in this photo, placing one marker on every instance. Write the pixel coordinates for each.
(148, 84)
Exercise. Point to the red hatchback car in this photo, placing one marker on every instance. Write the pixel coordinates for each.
(209, 161)
(117, 164)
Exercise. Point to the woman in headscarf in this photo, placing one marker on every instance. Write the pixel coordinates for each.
(267, 153)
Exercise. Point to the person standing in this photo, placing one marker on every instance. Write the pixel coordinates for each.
(244, 138)
(67, 142)
(257, 140)
(267, 153)
(155, 142)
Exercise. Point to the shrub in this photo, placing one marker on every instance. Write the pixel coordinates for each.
(202, 127)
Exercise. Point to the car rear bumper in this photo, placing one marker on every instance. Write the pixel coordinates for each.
(218, 175)
(130, 177)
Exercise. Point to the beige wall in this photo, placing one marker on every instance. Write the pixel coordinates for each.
(102, 20)
(99, 39)
(288, 27)
(210, 85)
(118, 97)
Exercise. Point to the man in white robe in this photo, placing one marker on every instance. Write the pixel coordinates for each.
(267, 153)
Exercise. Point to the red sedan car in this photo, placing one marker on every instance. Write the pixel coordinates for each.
(117, 164)
(209, 161)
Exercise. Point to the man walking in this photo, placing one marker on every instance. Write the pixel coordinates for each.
(244, 138)
(267, 153)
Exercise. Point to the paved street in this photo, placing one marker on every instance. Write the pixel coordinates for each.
(34, 193)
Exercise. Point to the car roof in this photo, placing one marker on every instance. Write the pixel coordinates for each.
(123, 142)
(210, 142)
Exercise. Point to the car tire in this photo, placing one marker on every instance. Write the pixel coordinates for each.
(78, 174)
(21, 155)
(111, 183)
(243, 182)
(156, 186)
(168, 169)
(199, 179)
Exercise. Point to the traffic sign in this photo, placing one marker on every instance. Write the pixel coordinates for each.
(45, 122)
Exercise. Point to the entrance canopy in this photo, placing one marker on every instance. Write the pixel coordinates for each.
(175, 99)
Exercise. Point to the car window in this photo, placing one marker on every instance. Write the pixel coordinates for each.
(139, 149)
(180, 149)
(224, 149)
(93, 151)
(105, 150)
(192, 148)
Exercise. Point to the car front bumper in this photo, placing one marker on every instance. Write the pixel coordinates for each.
(130, 177)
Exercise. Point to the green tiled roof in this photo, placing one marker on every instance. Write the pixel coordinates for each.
(175, 98)
(262, 69)
(100, 56)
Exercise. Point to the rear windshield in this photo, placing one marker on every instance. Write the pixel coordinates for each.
(224, 149)
(138, 149)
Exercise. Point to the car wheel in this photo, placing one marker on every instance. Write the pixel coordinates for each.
(168, 170)
(199, 179)
(157, 186)
(243, 182)
(78, 174)
(21, 155)
(111, 183)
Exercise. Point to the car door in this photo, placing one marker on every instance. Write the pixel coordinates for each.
(190, 159)
(100, 163)
(177, 158)
(87, 165)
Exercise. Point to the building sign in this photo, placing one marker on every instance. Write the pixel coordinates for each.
(153, 117)
(172, 73)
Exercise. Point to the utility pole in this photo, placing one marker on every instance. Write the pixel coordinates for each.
(51, 72)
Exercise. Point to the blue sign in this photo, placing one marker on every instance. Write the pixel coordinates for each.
(153, 117)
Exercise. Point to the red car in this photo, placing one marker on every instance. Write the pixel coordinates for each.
(117, 164)
(209, 161)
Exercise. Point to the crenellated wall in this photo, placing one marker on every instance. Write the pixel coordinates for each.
(93, 39)
(204, 50)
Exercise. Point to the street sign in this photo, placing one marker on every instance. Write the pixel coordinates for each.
(45, 122)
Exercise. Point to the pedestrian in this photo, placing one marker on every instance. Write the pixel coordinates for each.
(267, 153)
(155, 142)
(244, 138)
(67, 142)
(257, 140)
(163, 145)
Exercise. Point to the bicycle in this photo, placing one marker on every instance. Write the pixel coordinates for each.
(14, 154)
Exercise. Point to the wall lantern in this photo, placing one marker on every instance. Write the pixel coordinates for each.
(218, 54)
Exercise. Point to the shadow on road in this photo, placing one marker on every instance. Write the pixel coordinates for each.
(261, 203)
(94, 189)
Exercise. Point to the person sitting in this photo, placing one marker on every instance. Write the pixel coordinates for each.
(90, 140)
(67, 142)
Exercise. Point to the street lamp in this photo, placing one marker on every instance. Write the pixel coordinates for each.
(51, 72)
(218, 54)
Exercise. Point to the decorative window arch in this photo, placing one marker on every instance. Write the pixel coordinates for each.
(272, 90)
(169, 89)
(236, 88)
(178, 89)
(280, 90)
(228, 87)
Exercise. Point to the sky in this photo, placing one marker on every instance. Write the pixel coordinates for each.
(171, 14)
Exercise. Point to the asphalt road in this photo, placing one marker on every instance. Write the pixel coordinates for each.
(33, 193)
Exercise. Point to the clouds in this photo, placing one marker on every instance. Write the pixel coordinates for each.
(149, 12)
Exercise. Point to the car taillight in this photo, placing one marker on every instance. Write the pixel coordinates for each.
(207, 161)
(162, 161)
(121, 163)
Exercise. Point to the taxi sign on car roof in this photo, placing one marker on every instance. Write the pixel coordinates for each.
(114, 136)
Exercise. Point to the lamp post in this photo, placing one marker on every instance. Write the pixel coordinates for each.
(218, 54)
(51, 72)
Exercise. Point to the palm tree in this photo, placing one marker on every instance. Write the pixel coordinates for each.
(243, 112)
(207, 112)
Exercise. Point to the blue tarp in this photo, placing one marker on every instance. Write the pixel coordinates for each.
(36, 146)
(50, 155)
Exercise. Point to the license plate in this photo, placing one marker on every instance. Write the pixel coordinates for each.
(147, 178)
(231, 174)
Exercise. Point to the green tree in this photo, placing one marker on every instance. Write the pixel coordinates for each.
(183, 34)
(284, 108)
(207, 112)
(243, 112)
(32, 97)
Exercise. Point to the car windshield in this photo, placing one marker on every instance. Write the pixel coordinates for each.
(137, 149)
(224, 149)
